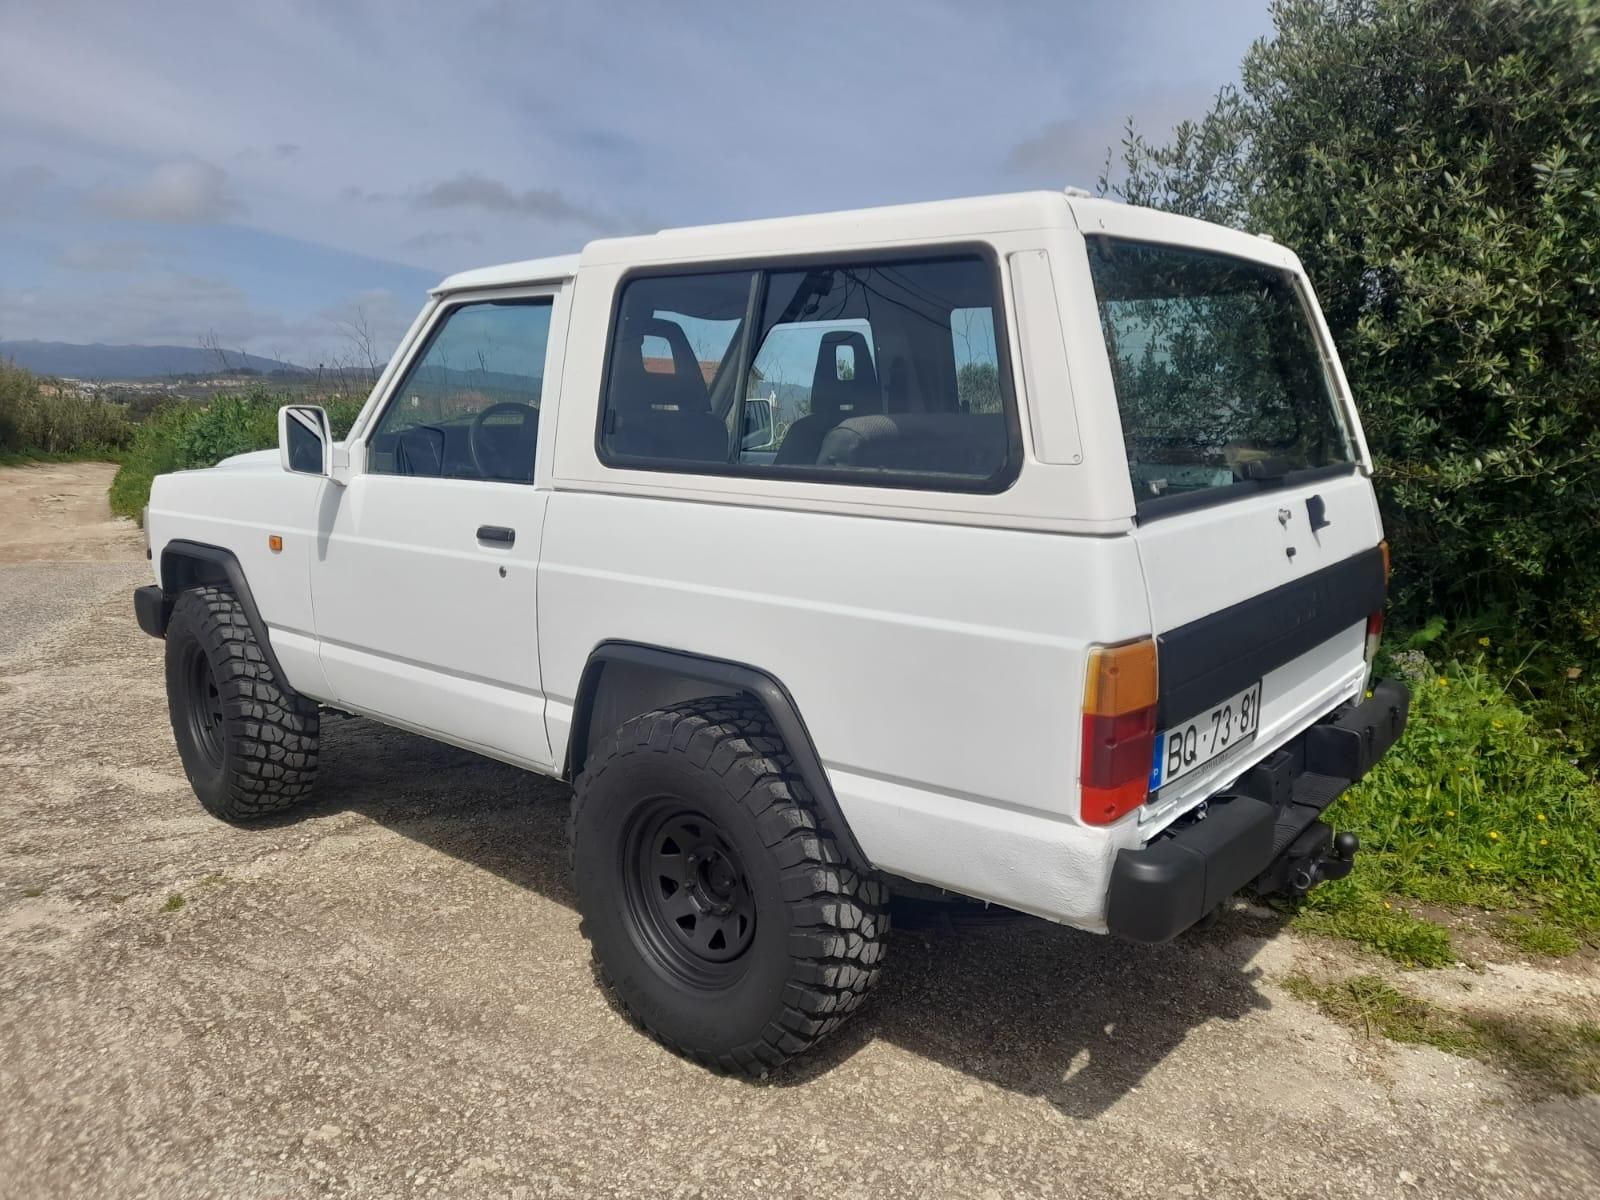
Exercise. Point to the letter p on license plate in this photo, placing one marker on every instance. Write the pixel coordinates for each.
(1190, 745)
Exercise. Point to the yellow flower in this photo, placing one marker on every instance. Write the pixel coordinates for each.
(1386, 904)
(1493, 836)
(1544, 841)
(1483, 641)
(1443, 682)
(1540, 817)
(1449, 812)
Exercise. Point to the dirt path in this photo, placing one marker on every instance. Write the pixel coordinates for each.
(57, 512)
(60, 548)
(388, 996)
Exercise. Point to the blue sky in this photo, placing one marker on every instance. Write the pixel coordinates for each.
(269, 170)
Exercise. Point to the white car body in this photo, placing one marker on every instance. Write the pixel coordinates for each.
(935, 643)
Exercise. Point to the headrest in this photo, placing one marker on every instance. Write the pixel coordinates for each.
(834, 397)
(636, 387)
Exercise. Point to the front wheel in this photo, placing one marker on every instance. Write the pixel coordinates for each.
(720, 911)
(248, 744)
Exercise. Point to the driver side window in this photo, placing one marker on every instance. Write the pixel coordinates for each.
(468, 408)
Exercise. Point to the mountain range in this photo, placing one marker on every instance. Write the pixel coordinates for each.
(98, 361)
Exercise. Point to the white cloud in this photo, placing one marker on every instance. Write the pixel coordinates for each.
(186, 193)
(105, 256)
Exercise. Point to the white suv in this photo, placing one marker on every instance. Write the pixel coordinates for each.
(1021, 546)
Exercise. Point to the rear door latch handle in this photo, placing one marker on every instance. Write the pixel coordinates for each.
(1317, 510)
(498, 534)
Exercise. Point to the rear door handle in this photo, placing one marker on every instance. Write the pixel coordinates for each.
(497, 533)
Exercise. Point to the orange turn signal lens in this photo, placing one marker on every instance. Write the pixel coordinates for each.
(1383, 548)
(1121, 679)
(274, 543)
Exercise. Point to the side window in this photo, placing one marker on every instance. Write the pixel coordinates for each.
(469, 407)
(862, 373)
(669, 382)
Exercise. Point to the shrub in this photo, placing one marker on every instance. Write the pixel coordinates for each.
(1433, 162)
(35, 423)
(185, 436)
(1474, 806)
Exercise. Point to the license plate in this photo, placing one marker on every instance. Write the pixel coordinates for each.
(1186, 748)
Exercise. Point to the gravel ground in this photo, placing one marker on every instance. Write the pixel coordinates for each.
(387, 995)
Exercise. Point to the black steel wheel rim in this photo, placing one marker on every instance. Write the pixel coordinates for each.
(688, 898)
(203, 709)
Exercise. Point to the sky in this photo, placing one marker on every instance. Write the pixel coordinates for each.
(274, 174)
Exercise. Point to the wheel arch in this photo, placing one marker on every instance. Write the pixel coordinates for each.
(186, 564)
(623, 679)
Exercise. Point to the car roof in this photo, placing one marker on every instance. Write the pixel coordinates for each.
(938, 220)
(530, 270)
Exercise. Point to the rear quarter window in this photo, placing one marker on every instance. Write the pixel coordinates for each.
(874, 371)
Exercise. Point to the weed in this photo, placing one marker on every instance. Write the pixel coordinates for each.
(174, 903)
(1561, 1056)
(180, 437)
(32, 893)
(1475, 806)
(1536, 937)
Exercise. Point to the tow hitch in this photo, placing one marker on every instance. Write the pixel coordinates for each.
(1316, 856)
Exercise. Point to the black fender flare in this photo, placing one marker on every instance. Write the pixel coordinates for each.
(724, 676)
(186, 564)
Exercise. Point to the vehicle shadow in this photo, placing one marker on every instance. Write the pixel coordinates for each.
(1036, 1008)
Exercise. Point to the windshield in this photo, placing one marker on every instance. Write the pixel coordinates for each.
(1220, 382)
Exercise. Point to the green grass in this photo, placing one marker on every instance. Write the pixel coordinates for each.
(39, 424)
(1560, 1056)
(1476, 806)
(174, 903)
(28, 458)
(183, 436)
(1536, 937)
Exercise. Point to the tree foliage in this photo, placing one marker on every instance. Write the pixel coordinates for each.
(1435, 164)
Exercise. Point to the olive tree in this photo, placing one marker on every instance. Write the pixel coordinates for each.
(1435, 163)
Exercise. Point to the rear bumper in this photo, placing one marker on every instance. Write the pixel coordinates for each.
(1264, 831)
(153, 608)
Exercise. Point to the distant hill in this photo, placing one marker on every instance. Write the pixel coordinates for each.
(130, 362)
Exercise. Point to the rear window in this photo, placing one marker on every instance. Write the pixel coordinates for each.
(1220, 381)
(884, 372)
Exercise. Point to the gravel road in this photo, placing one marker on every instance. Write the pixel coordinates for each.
(387, 995)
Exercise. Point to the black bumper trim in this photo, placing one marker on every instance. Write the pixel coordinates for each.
(1160, 890)
(153, 608)
(1209, 659)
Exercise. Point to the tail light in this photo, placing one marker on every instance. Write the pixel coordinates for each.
(1119, 729)
(1375, 621)
(1374, 636)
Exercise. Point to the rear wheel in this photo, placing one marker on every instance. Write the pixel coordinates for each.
(721, 913)
(248, 744)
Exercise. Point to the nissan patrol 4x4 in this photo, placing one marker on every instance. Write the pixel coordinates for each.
(1021, 546)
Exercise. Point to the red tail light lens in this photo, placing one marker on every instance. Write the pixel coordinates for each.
(1119, 727)
(1374, 636)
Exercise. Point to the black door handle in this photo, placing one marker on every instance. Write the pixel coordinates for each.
(497, 533)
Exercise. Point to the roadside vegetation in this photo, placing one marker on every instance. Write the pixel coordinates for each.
(182, 436)
(38, 423)
(1433, 163)
(1551, 1055)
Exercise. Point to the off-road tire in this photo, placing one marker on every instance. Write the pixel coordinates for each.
(256, 755)
(819, 925)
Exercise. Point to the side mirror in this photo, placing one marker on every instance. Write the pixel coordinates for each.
(758, 431)
(305, 440)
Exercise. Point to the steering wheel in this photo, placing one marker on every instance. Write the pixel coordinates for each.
(507, 453)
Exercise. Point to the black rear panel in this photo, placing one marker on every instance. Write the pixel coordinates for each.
(1209, 659)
